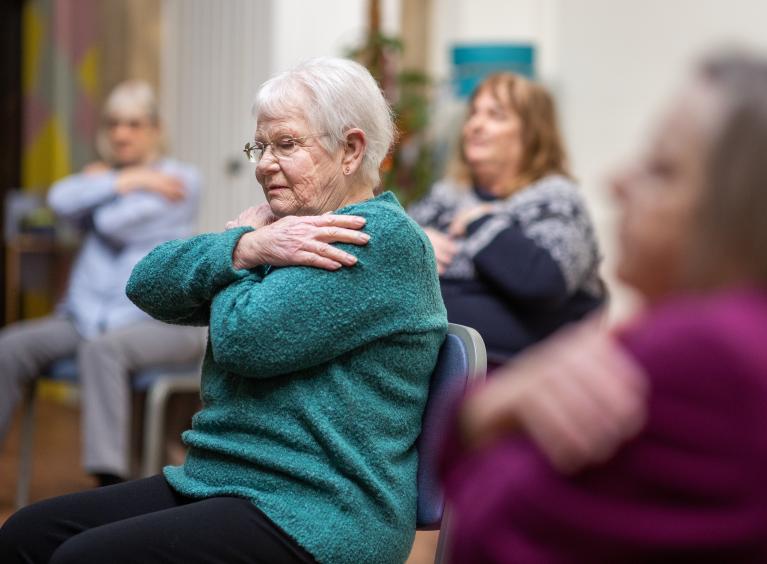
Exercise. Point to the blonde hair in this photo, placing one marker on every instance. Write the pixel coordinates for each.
(730, 230)
(132, 98)
(543, 151)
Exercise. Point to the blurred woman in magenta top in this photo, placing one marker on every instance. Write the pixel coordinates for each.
(648, 445)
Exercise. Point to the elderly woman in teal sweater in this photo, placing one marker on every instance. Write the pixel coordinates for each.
(325, 320)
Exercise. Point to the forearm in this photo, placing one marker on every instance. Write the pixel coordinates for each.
(519, 268)
(140, 213)
(286, 322)
(177, 281)
(298, 317)
(81, 193)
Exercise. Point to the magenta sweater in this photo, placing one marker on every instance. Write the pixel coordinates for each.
(692, 487)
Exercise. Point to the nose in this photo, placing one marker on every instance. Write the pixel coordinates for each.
(620, 182)
(268, 163)
(474, 122)
(121, 132)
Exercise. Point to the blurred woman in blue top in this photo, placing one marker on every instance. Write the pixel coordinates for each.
(124, 205)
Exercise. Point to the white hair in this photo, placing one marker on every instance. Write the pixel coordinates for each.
(132, 98)
(129, 99)
(333, 95)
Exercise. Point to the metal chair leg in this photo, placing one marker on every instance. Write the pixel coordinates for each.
(440, 555)
(26, 445)
(154, 418)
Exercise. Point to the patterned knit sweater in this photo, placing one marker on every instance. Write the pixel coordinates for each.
(523, 270)
(314, 382)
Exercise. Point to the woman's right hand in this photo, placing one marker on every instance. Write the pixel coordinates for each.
(301, 241)
(444, 248)
(579, 396)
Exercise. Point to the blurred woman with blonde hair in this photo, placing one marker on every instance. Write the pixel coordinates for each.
(514, 243)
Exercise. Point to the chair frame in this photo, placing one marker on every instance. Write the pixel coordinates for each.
(155, 408)
(477, 370)
(155, 414)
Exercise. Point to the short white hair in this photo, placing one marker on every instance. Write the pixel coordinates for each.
(333, 95)
(129, 99)
(133, 98)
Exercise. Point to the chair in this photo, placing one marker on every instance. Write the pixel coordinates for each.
(462, 359)
(159, 383)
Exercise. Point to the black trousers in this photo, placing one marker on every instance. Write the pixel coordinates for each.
(144, 521)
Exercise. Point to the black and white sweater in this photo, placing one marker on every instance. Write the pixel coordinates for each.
(522, 271)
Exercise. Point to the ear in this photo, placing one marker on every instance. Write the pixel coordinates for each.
(354, 151)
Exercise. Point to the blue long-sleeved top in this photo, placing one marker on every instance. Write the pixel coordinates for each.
(314, 382)
(118, 231)
(522, 271)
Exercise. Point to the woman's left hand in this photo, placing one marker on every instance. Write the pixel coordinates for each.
(302, 241)
(465, 217)
(579, 396)
(254, 216)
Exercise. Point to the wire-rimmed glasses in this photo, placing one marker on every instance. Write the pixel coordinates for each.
(281, 147)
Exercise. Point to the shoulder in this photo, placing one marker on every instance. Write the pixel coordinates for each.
(715, 339)
(446, 193)
(449, 188)
(555, 191)
(175, 167)
(388, 222)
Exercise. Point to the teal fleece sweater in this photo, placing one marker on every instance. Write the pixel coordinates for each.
(314, 382)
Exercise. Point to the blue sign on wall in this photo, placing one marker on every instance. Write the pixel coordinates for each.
(473, 62)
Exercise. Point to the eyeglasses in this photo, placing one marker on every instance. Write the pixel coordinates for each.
(114, 123)
(281, 148)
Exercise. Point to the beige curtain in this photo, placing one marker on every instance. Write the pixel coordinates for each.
(416, 23)
(131, 41)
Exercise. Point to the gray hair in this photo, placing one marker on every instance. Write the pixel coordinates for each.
(333, 95)
(132, 98)
(732, 232)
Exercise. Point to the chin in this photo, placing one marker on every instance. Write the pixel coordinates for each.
(127, 160)
(475, 157)
(281, 209)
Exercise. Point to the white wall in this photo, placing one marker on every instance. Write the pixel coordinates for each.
(610, 65)
(618, 62)
(215, 55)
(527, 21)
(306, 28)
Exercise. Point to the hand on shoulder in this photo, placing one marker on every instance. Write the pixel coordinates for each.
(301, 241)
(579, 396)
(150, 180)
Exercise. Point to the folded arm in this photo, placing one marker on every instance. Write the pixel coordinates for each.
(543, 265)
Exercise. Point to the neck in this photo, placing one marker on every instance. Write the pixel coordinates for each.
(145, 161)
(359, 195)
(500, 183)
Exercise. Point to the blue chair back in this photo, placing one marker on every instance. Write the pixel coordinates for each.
(65, 370)
(462, 359)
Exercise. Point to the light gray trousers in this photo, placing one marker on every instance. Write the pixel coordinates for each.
(105, 364)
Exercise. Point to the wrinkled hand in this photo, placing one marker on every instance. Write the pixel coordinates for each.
(579, 396)
(465, 217)
(444, 248)
(302, 241)
(255, 216)
(149, 180)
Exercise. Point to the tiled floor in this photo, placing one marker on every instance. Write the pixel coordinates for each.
(56, 466)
